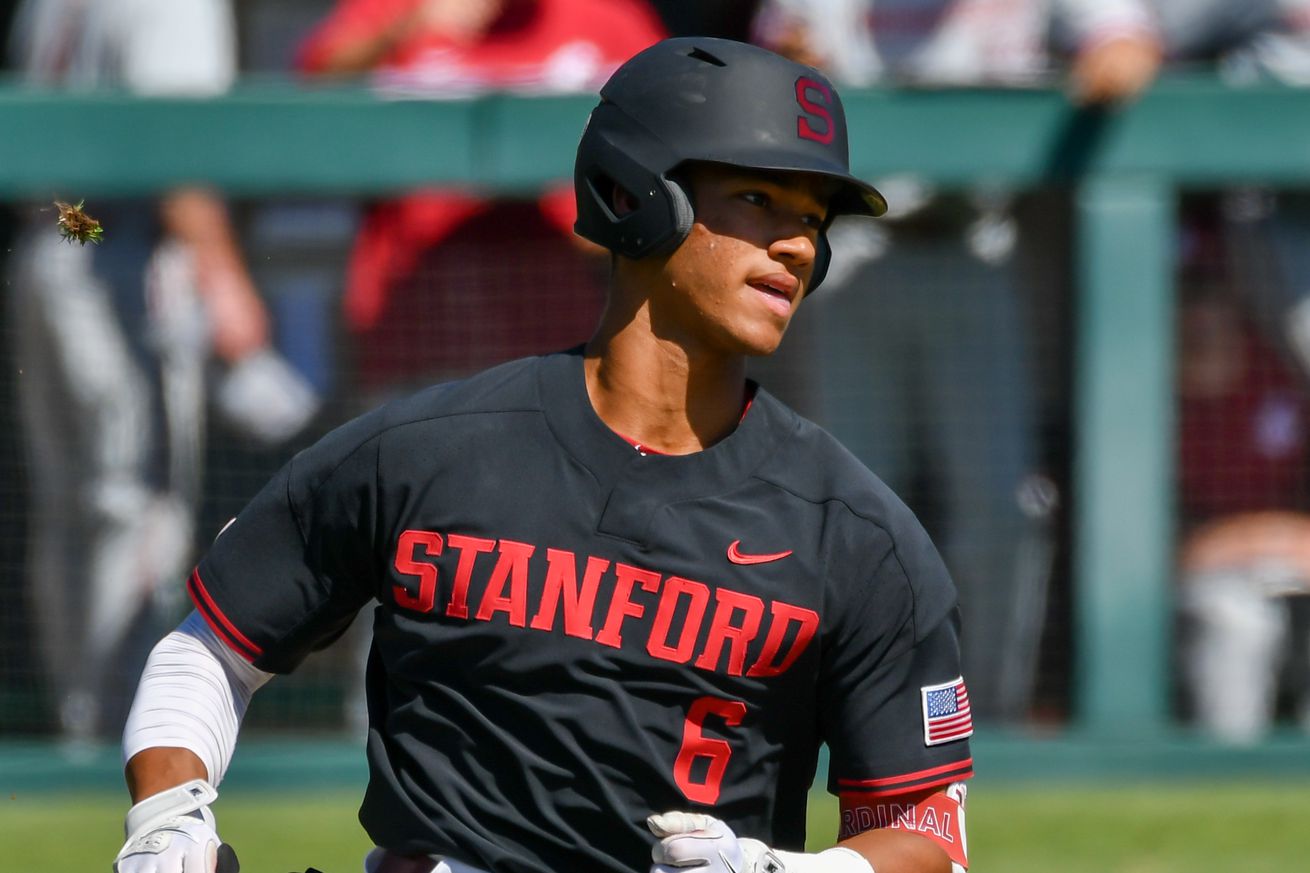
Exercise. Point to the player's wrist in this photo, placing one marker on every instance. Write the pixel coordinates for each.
(190, 798)
(838, 859)
(701, 843)
(173, 831)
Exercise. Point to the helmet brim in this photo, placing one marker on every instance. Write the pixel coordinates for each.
(853, 196)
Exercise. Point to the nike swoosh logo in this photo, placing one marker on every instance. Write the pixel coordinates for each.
(735, 555)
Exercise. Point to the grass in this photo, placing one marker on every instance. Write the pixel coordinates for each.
(1219, 827)
(1180, 828)
(272, 831)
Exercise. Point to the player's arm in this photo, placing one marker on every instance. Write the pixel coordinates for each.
(198, 218)
(917, 830)
(180, 736)
(895, 851)
(787, 27)
(917, 833)
(1116, 48)
(358, 37)
(160, 768)
(335, 50)
(190, 49)
(284, 578)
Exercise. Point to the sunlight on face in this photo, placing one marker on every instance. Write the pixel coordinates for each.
(733, 285)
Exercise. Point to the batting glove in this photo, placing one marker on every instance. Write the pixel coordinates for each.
(174, 832)
(704, 843)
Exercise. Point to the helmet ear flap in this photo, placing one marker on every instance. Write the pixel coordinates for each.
(684, 214)
(620, 158)
(822, 258)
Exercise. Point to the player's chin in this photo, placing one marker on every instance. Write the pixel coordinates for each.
(762, 337)
(755, 330)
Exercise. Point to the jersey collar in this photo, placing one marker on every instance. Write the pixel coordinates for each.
(646, 482)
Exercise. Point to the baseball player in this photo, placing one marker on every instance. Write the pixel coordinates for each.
(624, 595)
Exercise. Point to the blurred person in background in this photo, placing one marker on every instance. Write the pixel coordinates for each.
(1264, 232)
(1244, 450)
(729, 19)
(928, 377)
(1243, 42)
(1244, 519)
(112, 343)
(442, 282)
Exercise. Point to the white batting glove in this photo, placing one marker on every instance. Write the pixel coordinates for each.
(700, 842)
(174, 832)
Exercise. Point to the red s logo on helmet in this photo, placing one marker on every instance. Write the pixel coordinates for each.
(814, 98)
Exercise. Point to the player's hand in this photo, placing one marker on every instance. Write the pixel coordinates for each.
(463, 21)
(1115, 70)
(795, 41)
(700, 842)
(174, 832)
(238, 320)
(178, 845)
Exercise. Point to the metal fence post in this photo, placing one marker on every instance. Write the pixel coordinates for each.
(1123, 468)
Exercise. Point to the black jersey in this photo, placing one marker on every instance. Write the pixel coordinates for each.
(571, 635)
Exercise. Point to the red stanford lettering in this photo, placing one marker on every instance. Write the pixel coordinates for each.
(562, 582)
(736, 635)
(621, 605)
(469, 548)
(777, 655)
(698, 597)
(682, 621)
(425, 572)
(512, 568)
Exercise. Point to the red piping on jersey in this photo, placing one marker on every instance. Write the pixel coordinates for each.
(641, 447)
(647, 450)
(214, 617)
(945, 774)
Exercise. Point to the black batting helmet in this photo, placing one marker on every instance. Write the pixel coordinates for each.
(713, 100)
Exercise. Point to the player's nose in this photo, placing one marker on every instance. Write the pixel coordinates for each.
(794, 247)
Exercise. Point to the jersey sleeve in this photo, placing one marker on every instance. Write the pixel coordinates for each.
(895, 711)
(289, 573)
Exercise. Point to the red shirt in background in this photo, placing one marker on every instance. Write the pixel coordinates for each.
(534, 46)
(1248, 448)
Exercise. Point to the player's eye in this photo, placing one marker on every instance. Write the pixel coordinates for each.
(757, 198)
(813, 220)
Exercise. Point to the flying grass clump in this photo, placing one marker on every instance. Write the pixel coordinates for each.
(76, 226)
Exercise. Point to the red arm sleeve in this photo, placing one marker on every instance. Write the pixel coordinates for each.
(937, 814)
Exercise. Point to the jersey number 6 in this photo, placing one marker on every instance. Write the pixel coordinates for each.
(696, 745)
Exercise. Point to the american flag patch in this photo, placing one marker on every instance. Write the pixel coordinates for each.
(945, 713)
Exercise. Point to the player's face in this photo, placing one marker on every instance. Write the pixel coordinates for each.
(735, 282)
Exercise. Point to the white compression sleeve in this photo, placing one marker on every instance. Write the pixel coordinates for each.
(193, 694)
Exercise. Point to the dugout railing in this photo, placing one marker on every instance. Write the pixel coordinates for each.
(1126, 167)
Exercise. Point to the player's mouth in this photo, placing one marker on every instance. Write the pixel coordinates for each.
(777, 289)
